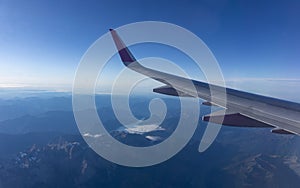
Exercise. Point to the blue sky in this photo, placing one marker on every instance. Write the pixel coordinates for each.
(42, 42)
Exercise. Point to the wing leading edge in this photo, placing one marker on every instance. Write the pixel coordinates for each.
(242, 109)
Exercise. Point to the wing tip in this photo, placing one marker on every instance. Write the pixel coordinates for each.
(125, 55)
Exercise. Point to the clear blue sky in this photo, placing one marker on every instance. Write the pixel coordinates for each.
(41, 42)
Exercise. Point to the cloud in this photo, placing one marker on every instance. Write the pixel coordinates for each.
(153, 138)
(92, 135)
(293, 163)
(141, 129)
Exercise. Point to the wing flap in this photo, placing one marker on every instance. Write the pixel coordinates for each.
(281, 131)
(234, 119)
(207, 103)
(168, 90)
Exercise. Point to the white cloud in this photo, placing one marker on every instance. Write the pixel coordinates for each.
(92, 135)
(153, 138)
(141, 129)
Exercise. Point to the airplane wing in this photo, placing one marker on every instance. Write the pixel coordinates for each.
(242, 109)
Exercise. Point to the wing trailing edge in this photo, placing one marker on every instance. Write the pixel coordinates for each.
(168, 90)
(234, 119)
(281, 131)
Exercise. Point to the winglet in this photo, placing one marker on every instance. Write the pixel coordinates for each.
(124, 52)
